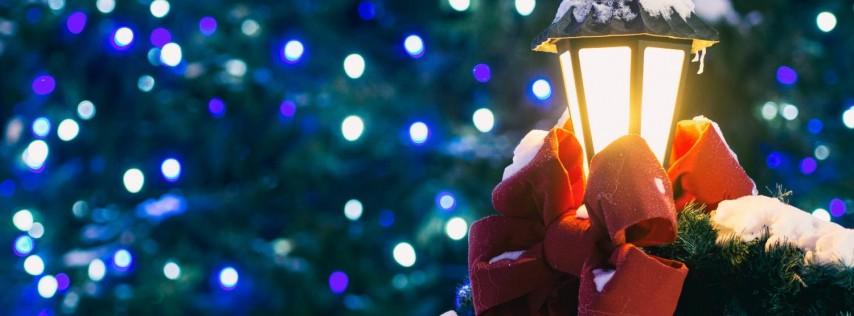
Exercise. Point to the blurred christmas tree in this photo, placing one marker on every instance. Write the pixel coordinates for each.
(308, 157)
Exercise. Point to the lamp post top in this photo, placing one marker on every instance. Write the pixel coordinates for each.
(599, 18)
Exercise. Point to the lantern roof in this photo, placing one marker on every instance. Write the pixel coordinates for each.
(598, 18)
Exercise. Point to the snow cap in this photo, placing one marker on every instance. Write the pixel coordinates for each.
(597, 18)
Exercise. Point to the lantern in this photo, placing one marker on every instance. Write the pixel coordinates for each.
(624, 67)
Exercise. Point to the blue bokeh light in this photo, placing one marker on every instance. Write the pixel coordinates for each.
(41, 127)
(76, 22)
(287, 108)
(207, 25)
(541, 89)
(386, 218)
(216, 107)
(815, 126)
(367, 10)
(446, 201)
(24, 246)
(160, 36)
(787, 75)
(122, 259)
(774, 160)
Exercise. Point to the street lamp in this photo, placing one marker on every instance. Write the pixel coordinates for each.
(624, 68)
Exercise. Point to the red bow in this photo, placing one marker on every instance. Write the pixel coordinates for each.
(540, 258)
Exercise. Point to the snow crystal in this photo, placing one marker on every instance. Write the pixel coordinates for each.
(525, 152)
(509, 255)
(601, 277)
(750, 217)
(603, 10)
(581, 212)
(449, 313)
(665, 8)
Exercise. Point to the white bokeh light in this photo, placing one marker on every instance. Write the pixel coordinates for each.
(86, 110)
(354, 66)
(235, 67)
(170, 54)
(404, 254)
(414, 45)
(848, 117)
(250, 27)
(47, 286)
(541, 89)
(525, 7)
(293, 50)
(97, 269)
(35, 154)
(352, 128)
(483, 120)
(821, 214)
(826, 21)
(821, 152)
(456, 228)
(123, 36)
(159, 8)
(171, 169)
(23, 220)
(122, 258)
(460, 5)
(789, 112)
(228, 278)
(171, 270)
(419, 132)
(105, 6)
(769, 110)
(353, 209)
(34, 265)
(41, 126)
(67, 130)
(133, 179)
(37, 231)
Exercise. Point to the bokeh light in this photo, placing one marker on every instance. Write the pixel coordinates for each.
(145, 83)
(354, 66)
(825, 21)
(769, 110)
(367, 10)
(292, 51)
(170, 54)
(235, 67)
(446, 201)
(171, 169)
(821, 214)
(23, 220)
(207, 25)
(338, 282)
(43, 84)
(483, 120)
(774, 160)
(250, 27)
(353, 209)
(848, 118)
(34, 265)
(352, 128)
(47, 286)
(821, 152)
(159, 8)
(542, 89)
(786, 75)
(419, 132)
(62, 281)
(790, 112)
(171, 270)
(35, 155)
(123, 37)
(133, 180)
(216, 107)
(24, 245)
(404, 254)
(287, 108)
(67, 130)
(41, 127)
(808, 165)
(105, 6)
(460, 5)
(76, 22)
(456, 228)
(122, 259)
(86, 110)
(37, 231)
(815, 126)
(414, 46)
(525, 7)
(96, 270)
(228, 278)
(837, 207)
(160, 36)
(482, 73)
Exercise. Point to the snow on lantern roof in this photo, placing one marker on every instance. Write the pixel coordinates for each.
(598, 18)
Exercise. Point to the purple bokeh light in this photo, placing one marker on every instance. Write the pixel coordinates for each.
(160, 36)
(808, 165)
(43, 84)
(216, 107)
(338, 282)
(207, 25)
(62, 281)
(837, 207)
(76, 22)
(786, 75)
(288, 108)
(482, 73)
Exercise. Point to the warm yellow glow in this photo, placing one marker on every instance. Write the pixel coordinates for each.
(572, 99)
(662, 71)
(605, 74)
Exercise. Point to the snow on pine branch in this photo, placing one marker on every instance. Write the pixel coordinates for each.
(605, 10)
(749, 217)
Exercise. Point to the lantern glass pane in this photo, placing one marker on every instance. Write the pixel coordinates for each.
(662, 73)
(605, 74)
(572, 98)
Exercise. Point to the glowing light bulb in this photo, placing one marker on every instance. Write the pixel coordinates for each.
(97, 269)
(404, 254)
(35, 154)
(459, 5)
(483, 120)
(170, 54)
(133, 180)
(228, 278)
(541, 89)
(67, 130)
(23, 220)
(826, 21)
(159, 8)
(34, 265)
(353, 209)
(171, 169)
(354, 66)
(419, 132)
(293, 51)
(86, 110)
(525, 7)
(414, 46)
(456, 228)
(47, 286)
(352, 128)
(171, 270)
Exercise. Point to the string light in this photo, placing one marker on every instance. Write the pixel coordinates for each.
(35, 155)
(542, 89)
(483, 120)
(525, 7)
(338, 282)
(228, 278)
(414, 46)
(171, 169)
(404, 254)
(825, 21)
(170, 54)
(86, 110)
(123, 37)
(419, 132)
(47, 286)
(207, 26)
(133, 179)
(171, 270)
(353, 209)
(41, 127)
(67, 130)
(23, 220)
(159, 8)
(459, 5)
(97, 270)
(456, 228)
(354, 66)
(352, 128)
(34, 265)
(122, 259)
(105, 6)
(24, 245)
(821, 214)
(76, 22)
(292, 51)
